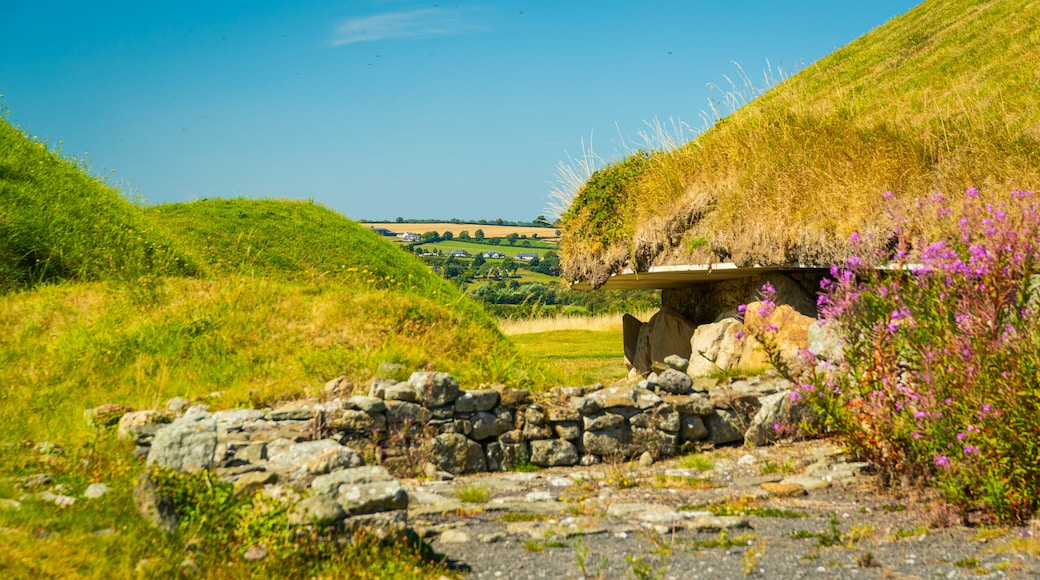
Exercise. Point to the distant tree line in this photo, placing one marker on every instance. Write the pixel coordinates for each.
(539, 222)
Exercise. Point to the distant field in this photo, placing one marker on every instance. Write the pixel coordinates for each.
(475, 249)
(490, 231)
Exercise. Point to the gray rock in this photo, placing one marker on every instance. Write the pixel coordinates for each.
(370, 498)
(294, 411)
(254, 480)
(476, 400)
(630, 397)
(487, 425)
(157, 510)
(510, 397)
(631, 327)
(354, 421)
(506, 456)
(390, 526)
(367, 404)
(691, 404)
(401, 392)
(607, 442)
(317, 510)
(666, 418)
(378, 387)
(602, 421)
(252, 453)
(177, 404)
(337, 388)
(553, 453)
(329, 484)
(825, 341)
(187, 444)
(315, 457)
(457, 454)
(95, 490)
(724, 427)
(136, 422)
(677, 362)
(585, 405)
(404, 413)
(236, 419)
(692, 428)
(435, 389)
(567, 430)
(674, 382)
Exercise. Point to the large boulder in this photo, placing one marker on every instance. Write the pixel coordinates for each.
(187, 444)
(788, 328)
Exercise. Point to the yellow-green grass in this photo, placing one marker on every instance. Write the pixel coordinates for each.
(59, 224)
(943, 98)
(575, 357)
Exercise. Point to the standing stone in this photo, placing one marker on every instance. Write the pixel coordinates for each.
(631, 328)
(187, 444)
(457, 454)
(668, 332)
(435, 389)
(553, 453)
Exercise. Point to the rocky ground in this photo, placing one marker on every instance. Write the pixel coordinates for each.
(795, 510)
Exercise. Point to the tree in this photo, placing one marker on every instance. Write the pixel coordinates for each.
(464, 235)
(430, 237)
(542, 221)
(479, 235)
(448, 235)
(509, 265)
(525, 243)
(499, 222)
(399, 220)
(512, 237)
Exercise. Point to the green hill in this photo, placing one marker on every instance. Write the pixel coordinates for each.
(59, 224)
(257, 300)
(942, 98)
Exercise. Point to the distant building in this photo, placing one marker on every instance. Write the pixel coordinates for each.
(526, 256)
(459, 253)
(410, 237)
(498, 255)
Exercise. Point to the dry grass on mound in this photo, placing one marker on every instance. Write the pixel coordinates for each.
(601, 322)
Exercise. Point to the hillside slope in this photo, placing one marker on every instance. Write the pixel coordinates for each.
(942, 98)
(59, 224)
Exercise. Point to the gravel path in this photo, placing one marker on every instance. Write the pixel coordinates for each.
(795, 511)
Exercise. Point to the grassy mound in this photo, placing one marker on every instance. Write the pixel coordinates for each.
(942, 98)
(59, 224)
(227, 302)
(256, 300)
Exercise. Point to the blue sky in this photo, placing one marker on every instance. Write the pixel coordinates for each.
(383, 108)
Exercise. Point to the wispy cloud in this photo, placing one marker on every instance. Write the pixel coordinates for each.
(412, 23)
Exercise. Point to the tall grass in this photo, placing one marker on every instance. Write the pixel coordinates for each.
(598, 323)
(59, 224)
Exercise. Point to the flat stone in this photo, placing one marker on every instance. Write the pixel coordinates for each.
(135, 422)
(329, 484)
(453, 537)
(400, 392)
(631, 397)
(367, 404)
(294, 411)
(699, 405)
(603, 421)
(254, 480)
(369, 498)
(486, 425)
(628, 510)
(806, 482)
(472, 401)
(187, 444)
(316, 510)
(780, 489)
(399, 413)
(510, 397)
(716, 523)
